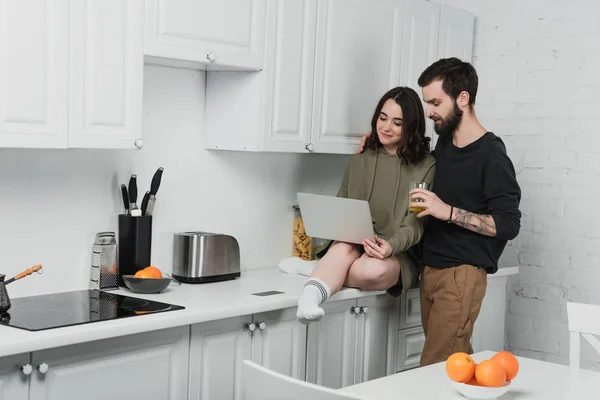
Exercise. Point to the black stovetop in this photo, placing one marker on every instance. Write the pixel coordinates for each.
(36, 313)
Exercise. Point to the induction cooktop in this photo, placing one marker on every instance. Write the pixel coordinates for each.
(48, 311)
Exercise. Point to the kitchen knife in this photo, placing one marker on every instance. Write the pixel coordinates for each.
(133, 192)
(125, 198)
(145, 203)
(154, 185)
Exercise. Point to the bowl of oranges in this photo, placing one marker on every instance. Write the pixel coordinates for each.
(487, 380)
(147, 281)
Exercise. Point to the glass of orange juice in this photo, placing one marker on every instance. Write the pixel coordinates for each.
(417, 185)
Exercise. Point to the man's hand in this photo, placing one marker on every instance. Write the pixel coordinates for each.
(431, 203)
(363, 140)
(379, 250)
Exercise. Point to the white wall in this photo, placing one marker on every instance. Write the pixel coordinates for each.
(53, 202)
(539, 68)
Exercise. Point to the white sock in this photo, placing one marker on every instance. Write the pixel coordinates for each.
(314, 293)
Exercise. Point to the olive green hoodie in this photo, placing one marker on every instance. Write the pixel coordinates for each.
(384, 179)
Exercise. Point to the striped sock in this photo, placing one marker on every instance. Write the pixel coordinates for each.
(314, 293)
(322, 286)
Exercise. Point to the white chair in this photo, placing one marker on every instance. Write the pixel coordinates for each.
(260, 383)
(584, 320)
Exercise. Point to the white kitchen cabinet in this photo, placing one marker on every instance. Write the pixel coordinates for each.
(430, 32)
(207, 34)
(274, 339)
(34, 73)
(143, 366)
(488, 333)
(14, 378)
(71, 74)
(217, 349)
(349, 346)
(373, 331)
(327, 63)
(279, 342)
(456, 33)
(106, 74)
(275, 104)
(357, 60)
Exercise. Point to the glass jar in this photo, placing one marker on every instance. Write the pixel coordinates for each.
(304, 246)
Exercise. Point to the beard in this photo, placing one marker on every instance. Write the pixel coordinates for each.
(449, 124)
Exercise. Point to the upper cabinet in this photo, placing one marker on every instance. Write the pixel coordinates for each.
(71, 74)
(34, 74)
(106, 74)
(327, 63)
(207, 33)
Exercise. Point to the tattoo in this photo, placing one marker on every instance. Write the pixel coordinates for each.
(482, 224)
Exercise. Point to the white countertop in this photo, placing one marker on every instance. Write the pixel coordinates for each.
(202, 302)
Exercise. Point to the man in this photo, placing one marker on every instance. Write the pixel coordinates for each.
(474, 210)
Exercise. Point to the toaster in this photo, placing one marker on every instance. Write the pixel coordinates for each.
(201, 257)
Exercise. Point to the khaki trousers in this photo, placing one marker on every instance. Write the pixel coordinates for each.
(450, 303)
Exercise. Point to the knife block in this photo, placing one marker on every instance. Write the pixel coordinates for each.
(135, 244)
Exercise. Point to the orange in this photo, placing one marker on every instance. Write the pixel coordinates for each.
(154, 271)
(490, 373)
(473, 382)
(460, 367)
(509, 362)
(144, 274)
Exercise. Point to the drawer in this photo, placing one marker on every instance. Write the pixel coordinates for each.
(410, 309)
(410, 346)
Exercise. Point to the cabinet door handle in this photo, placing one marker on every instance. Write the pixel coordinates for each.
(212, 57)
(26, 369)
(251, 326)
(139, 143)
(364, 309)
(309, 147)
(355, 310)
(262, 326)
(43, 368)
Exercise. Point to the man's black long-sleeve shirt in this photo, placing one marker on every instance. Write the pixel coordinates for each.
(479, 178)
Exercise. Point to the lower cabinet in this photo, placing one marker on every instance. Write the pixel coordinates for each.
(273, 339)
(14, 378)
(147, 366)
(350, 344)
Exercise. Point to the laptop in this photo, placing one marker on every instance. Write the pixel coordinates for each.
(336, 218)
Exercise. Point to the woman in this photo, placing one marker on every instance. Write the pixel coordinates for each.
(396, 154)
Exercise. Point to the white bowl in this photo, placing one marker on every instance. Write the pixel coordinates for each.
(480, 392)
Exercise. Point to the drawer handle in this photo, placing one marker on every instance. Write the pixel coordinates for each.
(355, 310)
(43, 368)
(251, 327)
(26, 369)
(364, 309)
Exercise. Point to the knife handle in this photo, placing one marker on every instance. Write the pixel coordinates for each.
(145, 203)
(125, 198)
(155, 184)
(133, 191)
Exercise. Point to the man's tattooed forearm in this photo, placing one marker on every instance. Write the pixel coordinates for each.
(482, 224)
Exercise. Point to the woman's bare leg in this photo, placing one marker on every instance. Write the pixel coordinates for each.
(368, 273)
(326, 280)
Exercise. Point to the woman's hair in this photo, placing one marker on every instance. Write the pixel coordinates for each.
(414, 145)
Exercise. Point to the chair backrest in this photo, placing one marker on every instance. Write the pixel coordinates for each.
(260, 383)
(584, 320)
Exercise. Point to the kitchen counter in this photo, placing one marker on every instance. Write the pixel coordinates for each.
(205, 302)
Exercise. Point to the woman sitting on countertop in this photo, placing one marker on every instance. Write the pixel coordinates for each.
(394, 157)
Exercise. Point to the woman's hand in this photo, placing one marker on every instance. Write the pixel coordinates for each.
(380, 249)
(431, 203)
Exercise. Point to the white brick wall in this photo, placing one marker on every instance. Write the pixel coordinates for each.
(539, 68)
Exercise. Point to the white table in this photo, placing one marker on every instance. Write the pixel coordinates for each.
(536, 380)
